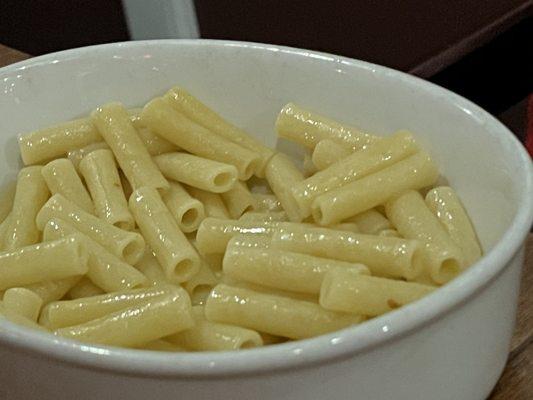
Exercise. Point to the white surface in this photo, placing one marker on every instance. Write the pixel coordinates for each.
(452, 344)
(161, 19)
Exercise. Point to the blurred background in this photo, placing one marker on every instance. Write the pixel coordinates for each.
(480, 49)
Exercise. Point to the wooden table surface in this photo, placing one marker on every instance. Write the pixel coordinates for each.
(516, 382)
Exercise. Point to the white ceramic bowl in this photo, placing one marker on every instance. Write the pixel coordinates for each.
(450, 345)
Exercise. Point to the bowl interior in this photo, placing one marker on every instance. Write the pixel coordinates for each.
(249, 83)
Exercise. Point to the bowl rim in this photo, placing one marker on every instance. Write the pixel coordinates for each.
(303, 353)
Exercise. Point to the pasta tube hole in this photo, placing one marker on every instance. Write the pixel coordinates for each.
(184, 267)
(416, 266)
(200, 293)
(251, 168)
(449, 269)
(133, 250)
(248, 344)
(124, 225)
(224, 179)
(190, 217)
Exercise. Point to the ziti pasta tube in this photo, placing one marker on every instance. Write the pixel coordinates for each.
(7, 196)
(101, 176)
(47, 144)
(59, 314)
(61, 177)
(213, 204)
(186, 210)
(172, 249)
(282, 177)
(194, 109)
(124, 244)
(446, 206)
(54, 289)
(23, 302)
(375, 157)
(328, 152)
(84, 288)
(276, 315)
(214, 234)
(213, 336)
(266, 202)
(106, 270)
(172, 125)
(371, 222)
(137, 324)
(345, 291)
(411, 217)
(75, 156)
(384, 256)
(307, 128)
(30, 195)
(199, 172)
(44, 261)
(113, 123)
(414, 172)
(281, 269)
(238, 200)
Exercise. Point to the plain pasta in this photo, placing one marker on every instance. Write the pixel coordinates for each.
(23, 302)
(214, 234)
(281, 269)
(187, 211)
(56, 141)
(101, 176)
(30, 196)
(411, 217)
(113, 123)
(194, 109)
(328, 152)
(150, 267)
(60, 314)
(371, 222)
(75, 156)
(61, 177)
(161, 118)
(307, 128)
(84, 288)
(384, 256)
(414, 172)
(44, 261)
(199, 285)
(375, 157)
(238, 200)
(267, 202)
(138, 324)
(446, 206)
(213, 336)
(7, 196)
(52, 290)
(264, 216)
(124, 244)
(345, 291)
(172, 249)
(282, 176)
(276, 315)
(308, 167)
(106, 270)
(213, 204)
(198, 172)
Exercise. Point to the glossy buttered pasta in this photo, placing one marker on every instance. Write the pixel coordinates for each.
(169, 228)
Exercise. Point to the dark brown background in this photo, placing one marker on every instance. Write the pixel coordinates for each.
(477, 48)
